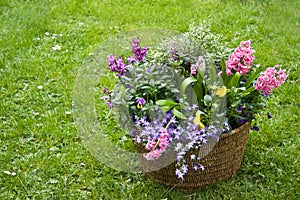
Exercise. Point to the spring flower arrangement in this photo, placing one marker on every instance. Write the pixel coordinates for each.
(173, 99)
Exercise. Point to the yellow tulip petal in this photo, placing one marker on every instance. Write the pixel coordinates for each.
(201, 126)
(197, 119)
(221, 91)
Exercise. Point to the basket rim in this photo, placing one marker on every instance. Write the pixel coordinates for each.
(236, 130)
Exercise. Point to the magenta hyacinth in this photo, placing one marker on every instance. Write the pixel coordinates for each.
(270, 79)
(241, 59)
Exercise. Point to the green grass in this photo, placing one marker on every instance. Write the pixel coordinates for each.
(41, 155)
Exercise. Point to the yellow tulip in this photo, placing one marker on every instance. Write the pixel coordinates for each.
(221, 91)
(197, 121)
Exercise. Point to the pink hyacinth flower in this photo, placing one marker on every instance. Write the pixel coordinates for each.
(270, 79)
(241, 59)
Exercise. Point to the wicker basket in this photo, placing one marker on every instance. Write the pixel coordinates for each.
(220, 163)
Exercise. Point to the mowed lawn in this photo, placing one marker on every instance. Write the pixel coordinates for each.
(42, 47)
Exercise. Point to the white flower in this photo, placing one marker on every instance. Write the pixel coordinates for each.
(56, 48)
(47, 33)
(36, 113)
(40, 87)
(178, 147)
(7, 172)
(68, 112)
(10, 173)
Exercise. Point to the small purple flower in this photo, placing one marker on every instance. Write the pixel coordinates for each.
(148, 70)
(193, 156)
(240, 108)
(130, 59)
(169, 115)
(179, 174)
(270, 116)
(140, 103)
(110, 105)
(105, 90)
(111, 59)
(173, 52)
(255, 128)
(116, 65)
(134, 133)
(184, 169)
(107, 98)
(226, 127)
(241, 121)
(243, 81)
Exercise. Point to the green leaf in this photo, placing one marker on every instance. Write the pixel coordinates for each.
(252, 78)
(235, 80)
(236, 103)
(199, 91)
(224, 76)
(248, 91)
(186, 83)
(178, 114)
(169, 103)
(145, 87)
(165, 108)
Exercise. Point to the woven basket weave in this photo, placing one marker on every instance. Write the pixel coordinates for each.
(223, 160)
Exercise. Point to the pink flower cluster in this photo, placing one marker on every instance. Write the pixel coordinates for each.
(157, 146)
(198, 66)
(270, 79)
(241, 59)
